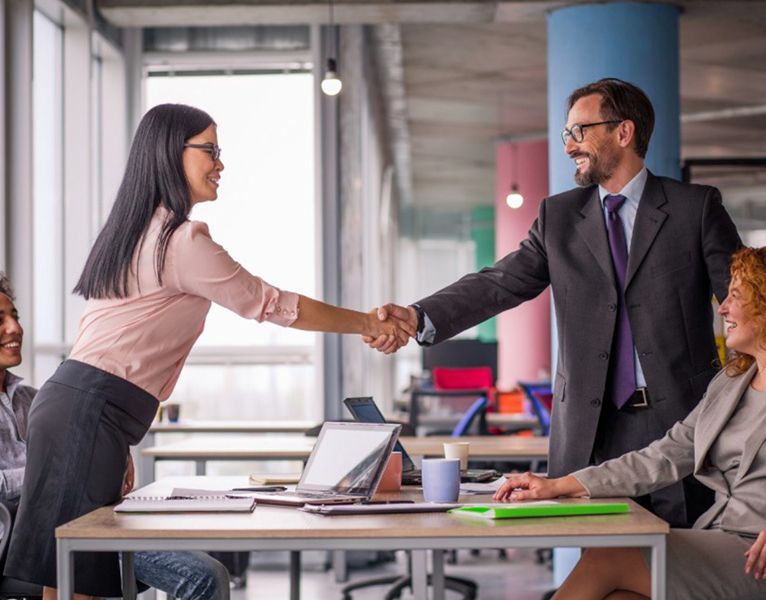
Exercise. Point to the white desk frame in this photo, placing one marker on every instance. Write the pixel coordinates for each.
(66, 548)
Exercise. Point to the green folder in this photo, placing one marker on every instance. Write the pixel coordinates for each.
(540, 509)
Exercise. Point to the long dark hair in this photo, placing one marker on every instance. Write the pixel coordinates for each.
(154, 176)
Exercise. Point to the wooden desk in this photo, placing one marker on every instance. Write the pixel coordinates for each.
(297, 448)
(233, 427)
(278, 528)
(146, 467)
(510, 421)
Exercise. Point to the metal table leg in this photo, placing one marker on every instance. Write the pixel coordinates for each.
(340, 566)
(420, 574)
(295, 574)
(129, 589)
(658, 569)
(65, 568)
(437, 574)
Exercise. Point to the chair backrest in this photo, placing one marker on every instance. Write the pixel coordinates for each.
(461, 353)
(12, 588)
(540, 396)
(6, 521)
(447, 378)
(477, 409)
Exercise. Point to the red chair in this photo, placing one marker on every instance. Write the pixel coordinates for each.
(464, 378)
(467, 382)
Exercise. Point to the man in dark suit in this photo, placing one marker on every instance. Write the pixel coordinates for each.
(632, 260)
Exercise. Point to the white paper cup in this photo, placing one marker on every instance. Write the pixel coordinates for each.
(457, 450)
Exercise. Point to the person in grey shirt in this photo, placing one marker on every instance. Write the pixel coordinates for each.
(185, 575)
(722, 443)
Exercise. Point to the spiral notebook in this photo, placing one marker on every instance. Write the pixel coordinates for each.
(187, 501)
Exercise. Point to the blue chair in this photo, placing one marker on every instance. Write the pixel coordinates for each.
(537, 393)
(477, 410)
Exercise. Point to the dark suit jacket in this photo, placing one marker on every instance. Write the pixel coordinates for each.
(679, 255)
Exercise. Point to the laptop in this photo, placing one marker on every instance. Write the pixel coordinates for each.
(344, 467)
(365, 410)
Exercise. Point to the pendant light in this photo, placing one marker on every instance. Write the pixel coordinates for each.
(514, 199)
(331, 84)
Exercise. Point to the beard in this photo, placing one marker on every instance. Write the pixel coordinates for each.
(600, 168)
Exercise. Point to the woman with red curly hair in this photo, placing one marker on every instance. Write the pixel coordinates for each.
(722, 443)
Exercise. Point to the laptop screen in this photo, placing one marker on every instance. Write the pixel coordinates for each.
(348, 458)
(365, 410)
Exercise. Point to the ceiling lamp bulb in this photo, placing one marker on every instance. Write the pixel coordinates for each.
(514, 199)
(331, 84)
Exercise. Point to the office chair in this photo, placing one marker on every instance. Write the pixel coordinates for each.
(476, 381)
(399, 583)
(540, 397)
(9, 587)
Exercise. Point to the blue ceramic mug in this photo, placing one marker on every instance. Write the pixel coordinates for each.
(441, 479)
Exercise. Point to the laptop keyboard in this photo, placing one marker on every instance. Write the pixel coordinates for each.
(306, 494)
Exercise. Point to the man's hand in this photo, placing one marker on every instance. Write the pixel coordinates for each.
(755, 557)
(405, 316)
(390, 328)
(128, 481)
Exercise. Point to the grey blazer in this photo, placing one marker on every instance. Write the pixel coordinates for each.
(684, 451)
(680, 249)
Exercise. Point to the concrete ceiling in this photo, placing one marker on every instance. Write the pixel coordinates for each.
(473, 73)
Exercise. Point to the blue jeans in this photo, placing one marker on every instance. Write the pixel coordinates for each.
(184, 575)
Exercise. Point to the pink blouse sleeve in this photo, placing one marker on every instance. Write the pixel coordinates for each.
(196, 265)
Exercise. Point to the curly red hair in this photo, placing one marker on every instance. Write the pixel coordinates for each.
(748, 266)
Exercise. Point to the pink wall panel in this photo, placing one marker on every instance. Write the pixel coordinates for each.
(523, 333)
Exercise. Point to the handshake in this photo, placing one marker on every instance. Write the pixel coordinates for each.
(391, 327)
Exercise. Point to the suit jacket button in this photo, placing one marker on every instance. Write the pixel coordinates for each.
(612, 307)
(603, 355)
(595, 402)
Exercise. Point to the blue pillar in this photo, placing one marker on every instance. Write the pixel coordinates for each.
(636, 42)
(633, 41)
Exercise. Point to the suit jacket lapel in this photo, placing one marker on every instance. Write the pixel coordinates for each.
(593, 231)
(649, 220)
(717, 413)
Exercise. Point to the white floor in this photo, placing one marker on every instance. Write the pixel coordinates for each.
(518, 578)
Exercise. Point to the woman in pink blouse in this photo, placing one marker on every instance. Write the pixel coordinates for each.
(149, 280)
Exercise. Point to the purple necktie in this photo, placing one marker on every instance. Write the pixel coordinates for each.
(622, 380)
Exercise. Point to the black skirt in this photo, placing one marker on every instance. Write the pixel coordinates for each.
(81, 425)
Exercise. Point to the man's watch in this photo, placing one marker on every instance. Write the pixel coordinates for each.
(421, 317)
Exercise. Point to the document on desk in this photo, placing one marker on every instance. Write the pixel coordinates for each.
(183, 500)
(542, 508)
(374, 508)
(490, 487)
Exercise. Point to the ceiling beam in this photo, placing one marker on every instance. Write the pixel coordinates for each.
(185, 13)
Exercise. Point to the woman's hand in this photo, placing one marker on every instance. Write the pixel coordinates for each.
(528, 486)
(128, 481)
(397, 327)
(755, 557)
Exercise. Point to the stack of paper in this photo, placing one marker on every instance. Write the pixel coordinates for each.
(183, 500)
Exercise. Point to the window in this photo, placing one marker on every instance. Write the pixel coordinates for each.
(265, 218)
(48, 194)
